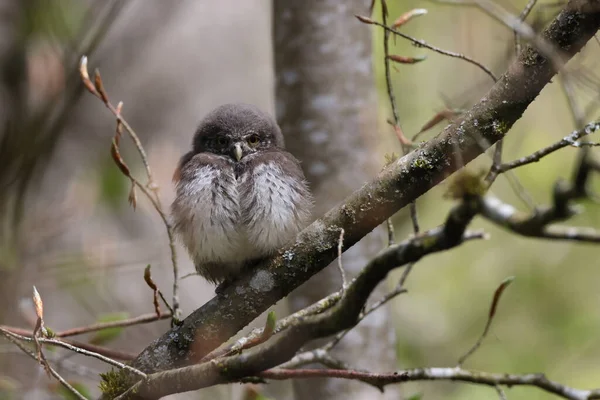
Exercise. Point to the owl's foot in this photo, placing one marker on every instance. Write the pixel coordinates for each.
(248, 265)
(223, 285)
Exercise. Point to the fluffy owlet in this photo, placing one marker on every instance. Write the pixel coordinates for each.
(240, 195)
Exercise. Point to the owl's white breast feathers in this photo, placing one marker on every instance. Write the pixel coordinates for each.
(226, 221)
(277, 211)
(207, 216)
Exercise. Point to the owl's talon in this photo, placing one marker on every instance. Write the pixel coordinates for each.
(222, 286)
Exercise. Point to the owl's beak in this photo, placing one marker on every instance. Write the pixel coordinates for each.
(237, 151)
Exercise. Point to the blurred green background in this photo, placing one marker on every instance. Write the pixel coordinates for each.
(548, 318)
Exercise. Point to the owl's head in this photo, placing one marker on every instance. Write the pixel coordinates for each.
(237, 131)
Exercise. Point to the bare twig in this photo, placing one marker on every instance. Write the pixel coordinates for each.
(422, 43)
(316, 308)
(248, 342)
(488, 324)
(569, 140)
(142, 319)
(340, 265)
(75, 349)
(500, 392)
(42, 360)
(522, 17)
(387, 297)
(405, 274)
(390, 232)
(536, 224)
(114, 354)
(319, 355)
(151, 188)
(444, 115)
(406, 145)
(518, 25)
(438, 374)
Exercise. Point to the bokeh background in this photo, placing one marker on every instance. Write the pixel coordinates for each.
(67, 227)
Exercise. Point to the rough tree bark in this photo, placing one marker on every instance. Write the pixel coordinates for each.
(326, 106)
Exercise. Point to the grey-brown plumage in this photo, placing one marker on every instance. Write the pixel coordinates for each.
(240, 195)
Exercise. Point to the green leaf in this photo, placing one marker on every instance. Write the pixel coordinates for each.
(106, 335)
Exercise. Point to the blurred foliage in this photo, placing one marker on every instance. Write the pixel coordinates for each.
(62, 20)
(108, 335)
(113, 186)
(66, 394)
(8, 388)
(40, 80)
(548, 320)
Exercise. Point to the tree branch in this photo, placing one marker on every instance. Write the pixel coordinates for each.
(438, 374)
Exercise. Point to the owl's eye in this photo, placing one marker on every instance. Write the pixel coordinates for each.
(253, 140)
(222, 141)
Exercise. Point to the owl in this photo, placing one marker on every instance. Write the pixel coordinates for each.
(240, 196)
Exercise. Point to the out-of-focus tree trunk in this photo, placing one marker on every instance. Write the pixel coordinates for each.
(326, 106)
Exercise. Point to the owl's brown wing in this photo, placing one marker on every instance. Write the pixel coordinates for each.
(275, 199)
(182, 161)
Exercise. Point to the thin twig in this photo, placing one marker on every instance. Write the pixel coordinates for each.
(523, 17)
(405, 274)
(387, 297)
(437, 374)
(497, 12)
(319, 355)
(10, 337)
(114, 354)
(340, 265)
(315, 308)
(500, 392)
(390, 232)
(569, 140)
(488, 324)
(393, 105)
(97, 89)
(422, 43)
(75, 349)
(141, 319)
